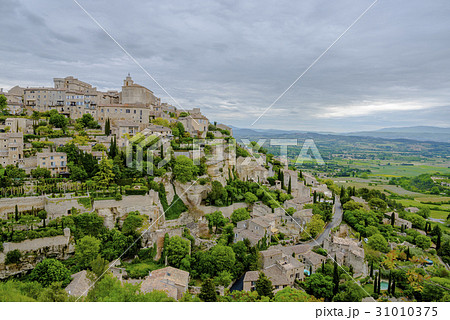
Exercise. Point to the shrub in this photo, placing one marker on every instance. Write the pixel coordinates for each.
(13, 257)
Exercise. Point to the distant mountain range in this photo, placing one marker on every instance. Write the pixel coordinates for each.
(417, 133)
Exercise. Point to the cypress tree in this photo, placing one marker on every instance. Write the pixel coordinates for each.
(371, 269)
(390, 282)
(335, 277)
(264, 286)
(392, 219)
(375, 282)
(342, 195)
(310, 270)
(314, 197)
(438, 242)
(289, 190)
(323, 267)
(162, 151)
(208, 291)
(408, 254)
(16, 213)
(379, 282)
(393, 286)
(107, 127)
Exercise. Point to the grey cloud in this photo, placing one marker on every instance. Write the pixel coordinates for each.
(233, 58)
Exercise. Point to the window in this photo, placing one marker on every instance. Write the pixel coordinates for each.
(127, 110)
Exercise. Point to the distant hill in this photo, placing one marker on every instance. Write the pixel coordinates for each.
(418, 133)
(361, 145)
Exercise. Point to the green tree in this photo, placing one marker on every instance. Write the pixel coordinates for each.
(184, 169)
(42, 214)
(335, 277)
(3, 103)
(58, 120)
(132, 222)
(378, 242)
(50, 271)
(423, 242)
(292, 295)
(13, 256)
(216, 219)
(110, 289)
(86, 250)
(264, 286)
(105, 174)
(289, 190)
(250, 198)
(99, 266)
(107, 127)
(377, 204)
(240, 215)
(223, 257)
(208, 291)
(41, 173)
(224, 278)
(315, 226)
(349, 292)
(177, 250)
(319, 286)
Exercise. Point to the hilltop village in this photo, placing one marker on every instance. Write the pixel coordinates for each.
(117, 196)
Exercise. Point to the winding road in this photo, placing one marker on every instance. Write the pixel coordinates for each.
(337, 218)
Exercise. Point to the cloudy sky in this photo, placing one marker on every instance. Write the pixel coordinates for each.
(234, 58)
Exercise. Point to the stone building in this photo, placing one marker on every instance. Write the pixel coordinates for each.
(56, 162)
(14, 99)
(281, 269)
(11, 148)
(133, 93)
(171, 280)
(348, 252)
(19, 125)
(115, 112)
(195, 123)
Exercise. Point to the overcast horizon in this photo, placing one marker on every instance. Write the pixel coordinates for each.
(234, 58)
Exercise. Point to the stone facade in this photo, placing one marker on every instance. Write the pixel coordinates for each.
(11, 148)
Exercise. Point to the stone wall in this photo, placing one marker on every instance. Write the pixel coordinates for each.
(34, 251)
(7, 205)
(148, 204)
(226, 211)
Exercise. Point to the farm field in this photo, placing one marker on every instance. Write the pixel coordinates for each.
(387, 168)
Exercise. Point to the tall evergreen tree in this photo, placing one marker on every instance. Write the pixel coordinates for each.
(16, 213)
(371, 269)
(342, 195)
(438, 242)
(379, 282)
(390, 282)
(107, 127)
(208, 291)
(289, 190)
(264, 286)
(335, 277)
(393, 286)
(392, 219)
(375, 283)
